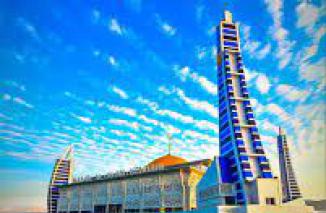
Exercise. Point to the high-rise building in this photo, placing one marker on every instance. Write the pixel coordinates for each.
(290, 188)
(240, 143)
(61, 175)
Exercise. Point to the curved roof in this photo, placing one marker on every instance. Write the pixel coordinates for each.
(167, 160)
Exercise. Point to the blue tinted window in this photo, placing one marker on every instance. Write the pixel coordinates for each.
(244, 157)
(248, 174)
(229, 43)
(267, 175)
(233, 32)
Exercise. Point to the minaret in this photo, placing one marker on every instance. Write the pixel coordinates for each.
(239, 139)
(61, 175)
(290, 188)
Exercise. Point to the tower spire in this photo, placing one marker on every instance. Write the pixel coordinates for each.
(280, 131)
(67, 155)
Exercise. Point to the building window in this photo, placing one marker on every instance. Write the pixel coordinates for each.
(229, 200)
(270, 201)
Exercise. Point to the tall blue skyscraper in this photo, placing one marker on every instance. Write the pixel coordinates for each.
(61, 175)
(240, 143)
(290, 188)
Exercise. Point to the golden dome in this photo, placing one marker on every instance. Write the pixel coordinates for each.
(167, 160)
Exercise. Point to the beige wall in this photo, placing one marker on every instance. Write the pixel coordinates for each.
(171, 189)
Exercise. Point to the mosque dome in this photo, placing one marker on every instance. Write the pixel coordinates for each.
(167, 160)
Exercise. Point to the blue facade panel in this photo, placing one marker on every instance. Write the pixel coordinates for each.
(226, 173)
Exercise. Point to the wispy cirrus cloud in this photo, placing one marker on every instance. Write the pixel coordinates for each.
(254, 48)
(21, 101)
(112, 61)
(121, 93)
(115, 27)
(292, 93)
(124, 110)
(165, 26)
(83, 119)
(285, 46)
(307, 15)
(195, 104)
(126, 123)
(184, 73)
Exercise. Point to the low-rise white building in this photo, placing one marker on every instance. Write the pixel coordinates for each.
(165, 185)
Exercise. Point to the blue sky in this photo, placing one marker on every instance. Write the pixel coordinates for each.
(115, 77)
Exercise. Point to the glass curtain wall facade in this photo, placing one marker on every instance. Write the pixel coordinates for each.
(240, 141)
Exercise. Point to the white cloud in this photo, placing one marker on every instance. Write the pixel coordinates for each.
(151, 104)
(292, 93)
(200, 124)
(206, 125)
(314, 72)
(254, 47)
(279, 33)
(148, 120)
(267, 125)
(126, 123)
(120, 92)
(123, 110)
(184, 73)
(263, 52)
(112, 61)
(199, 136)
(251, 46)
(311, 50)
(168, 29)
(29, 28)
(96, 15)
(201, 52)
(250, 74)
(170, 129)
(165, 27)
(307, 16)
(278, 111)
(203, 106)
(176, 115)
(262, 83)
(124, 134)
(115, 27)
(164, 90)
(6, 97)
(83, 118)
(21, 101)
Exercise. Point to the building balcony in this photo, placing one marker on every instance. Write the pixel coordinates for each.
(230, 37)
(229, 31)
(235, 121)
(259, 151)
(241, 150)
(252, 122)
(262, 159)
(243, 157)
(245, 166)
(240, 143)
(257, 144)
(267, 175)
(230, 44)
(265, 167)
(228, 26)
(247, 174)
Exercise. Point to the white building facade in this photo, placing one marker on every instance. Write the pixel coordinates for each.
(165, 189)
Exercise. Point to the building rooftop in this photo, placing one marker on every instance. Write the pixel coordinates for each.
(167, 160)
(164, 164)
